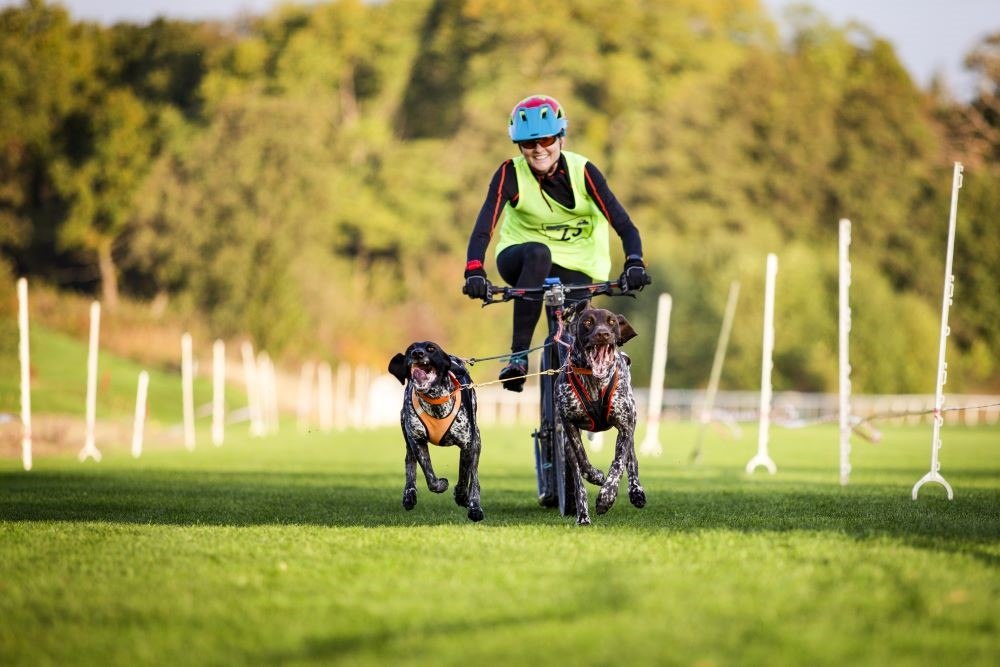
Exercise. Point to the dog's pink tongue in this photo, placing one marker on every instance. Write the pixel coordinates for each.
(418, 374)
(601, 359)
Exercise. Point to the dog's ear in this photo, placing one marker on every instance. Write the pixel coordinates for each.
(575, 309)
(397, 366)
(458, 368)
(625, 331)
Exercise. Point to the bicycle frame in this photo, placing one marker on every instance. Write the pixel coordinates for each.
(556, 486)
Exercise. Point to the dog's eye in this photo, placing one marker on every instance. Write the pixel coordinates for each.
(431, 349)
(589, 322)
(611, 320)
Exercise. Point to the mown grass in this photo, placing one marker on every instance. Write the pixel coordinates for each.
(295, 550)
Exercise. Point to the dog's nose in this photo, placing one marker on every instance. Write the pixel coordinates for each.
(602, 335)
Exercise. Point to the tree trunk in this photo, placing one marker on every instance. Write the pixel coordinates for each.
(109, 276)
(348, 98)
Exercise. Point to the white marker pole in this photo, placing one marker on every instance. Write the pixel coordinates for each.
(942, 375)
(275, 405)
(324, 397)
(596, 440)
(720, 357)
(187, 390)
(362, 382)
(25, 357)
(651, 442)
(89, 446)
(305, 402)
(762, 458)
(218, 392)
(139, 425)
(250, 375)
(845, 360)
(268, 393)
(342, 397)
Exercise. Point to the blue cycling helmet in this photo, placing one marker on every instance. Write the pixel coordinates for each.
(536, 116)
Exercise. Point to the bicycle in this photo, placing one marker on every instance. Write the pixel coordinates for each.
(556, 485)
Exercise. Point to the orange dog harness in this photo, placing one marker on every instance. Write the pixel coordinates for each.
(437, 427)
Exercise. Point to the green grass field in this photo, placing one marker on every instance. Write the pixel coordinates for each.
(295, 549)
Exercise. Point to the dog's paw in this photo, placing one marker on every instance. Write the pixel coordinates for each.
(440, 485)
(409, 499)
(595, 477)
(637, 497)
(476, 513)
(583, 520)
(605, 499)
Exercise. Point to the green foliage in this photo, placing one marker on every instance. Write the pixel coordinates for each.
(331, 158)
(259, 200)
(977, 268)
(9, 336)
(46, 67)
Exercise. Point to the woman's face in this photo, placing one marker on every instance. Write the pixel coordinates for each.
(541, 158)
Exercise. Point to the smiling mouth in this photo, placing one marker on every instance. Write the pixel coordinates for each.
(601, 358)
(423, 375)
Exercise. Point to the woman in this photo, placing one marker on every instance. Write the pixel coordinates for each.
(553, 209)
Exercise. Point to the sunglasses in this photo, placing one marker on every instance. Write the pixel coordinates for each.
(544, 142)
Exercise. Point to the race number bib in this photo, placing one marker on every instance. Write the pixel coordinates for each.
(569, 231)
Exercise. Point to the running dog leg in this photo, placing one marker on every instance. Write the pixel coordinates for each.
(573, 447)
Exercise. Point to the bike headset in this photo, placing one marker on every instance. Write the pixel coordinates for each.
(536, 116)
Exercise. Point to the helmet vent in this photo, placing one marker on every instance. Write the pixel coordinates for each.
(536, 116)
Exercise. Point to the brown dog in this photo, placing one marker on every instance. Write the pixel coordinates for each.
(594, 393)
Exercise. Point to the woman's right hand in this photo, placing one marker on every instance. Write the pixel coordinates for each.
(476, 284)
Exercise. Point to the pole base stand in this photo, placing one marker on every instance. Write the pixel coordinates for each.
(761, 460)
(89, 451)
(651, 446)
(933, 477)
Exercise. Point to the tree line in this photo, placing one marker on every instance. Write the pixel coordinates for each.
(309, 177)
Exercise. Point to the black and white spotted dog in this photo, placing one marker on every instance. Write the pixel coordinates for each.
(594, 393)
(439, 407)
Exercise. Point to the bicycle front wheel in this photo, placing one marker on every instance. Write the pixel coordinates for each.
(565, 479)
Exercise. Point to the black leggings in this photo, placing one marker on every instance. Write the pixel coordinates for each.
(528, 265)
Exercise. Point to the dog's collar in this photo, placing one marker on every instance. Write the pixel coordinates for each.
(456, 387)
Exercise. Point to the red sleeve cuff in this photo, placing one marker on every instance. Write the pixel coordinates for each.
(473, 264)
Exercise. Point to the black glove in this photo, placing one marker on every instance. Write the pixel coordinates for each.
(476, 284)
(634, 277)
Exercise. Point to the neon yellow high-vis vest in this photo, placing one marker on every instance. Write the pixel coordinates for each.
(578, 236)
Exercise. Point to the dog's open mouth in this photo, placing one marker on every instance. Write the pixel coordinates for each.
(423, 375)
(601, 359)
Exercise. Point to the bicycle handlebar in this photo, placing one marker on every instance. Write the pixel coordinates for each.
(554, 294)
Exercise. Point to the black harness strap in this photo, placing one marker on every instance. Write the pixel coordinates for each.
(598, 409)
